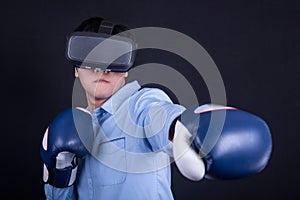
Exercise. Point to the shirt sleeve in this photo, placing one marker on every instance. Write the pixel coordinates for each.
(53, 193)
(156, 112)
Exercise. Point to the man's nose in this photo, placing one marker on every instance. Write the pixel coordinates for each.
(100, 71)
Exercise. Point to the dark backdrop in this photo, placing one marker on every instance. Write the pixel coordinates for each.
(254, 44)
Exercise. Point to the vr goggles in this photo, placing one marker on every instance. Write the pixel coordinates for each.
(101, 50)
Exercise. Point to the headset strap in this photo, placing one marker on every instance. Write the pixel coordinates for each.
(106, 27)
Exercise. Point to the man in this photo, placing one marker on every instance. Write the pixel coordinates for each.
(132, 130)
(126, 108)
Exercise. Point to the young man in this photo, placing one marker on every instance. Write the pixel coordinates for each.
(132, 148)
(134, 133)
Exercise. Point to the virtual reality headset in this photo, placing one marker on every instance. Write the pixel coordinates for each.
(101, 50)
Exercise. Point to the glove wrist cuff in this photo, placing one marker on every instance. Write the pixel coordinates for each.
(60, 178)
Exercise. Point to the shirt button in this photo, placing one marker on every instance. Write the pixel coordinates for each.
(89, 181)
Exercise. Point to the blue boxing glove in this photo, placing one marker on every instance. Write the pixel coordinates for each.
(68, 137)
(231, 143)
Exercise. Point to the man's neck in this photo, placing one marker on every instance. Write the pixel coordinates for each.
(95, 103)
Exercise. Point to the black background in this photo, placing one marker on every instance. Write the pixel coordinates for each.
(254, 44)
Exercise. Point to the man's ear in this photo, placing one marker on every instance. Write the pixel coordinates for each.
(126, 74)
(75, 72)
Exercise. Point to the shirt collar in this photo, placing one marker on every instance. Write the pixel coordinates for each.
(114, 102)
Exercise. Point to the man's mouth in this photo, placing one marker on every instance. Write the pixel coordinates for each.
(101, 81)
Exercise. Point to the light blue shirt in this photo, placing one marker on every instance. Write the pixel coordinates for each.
(131, 152)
